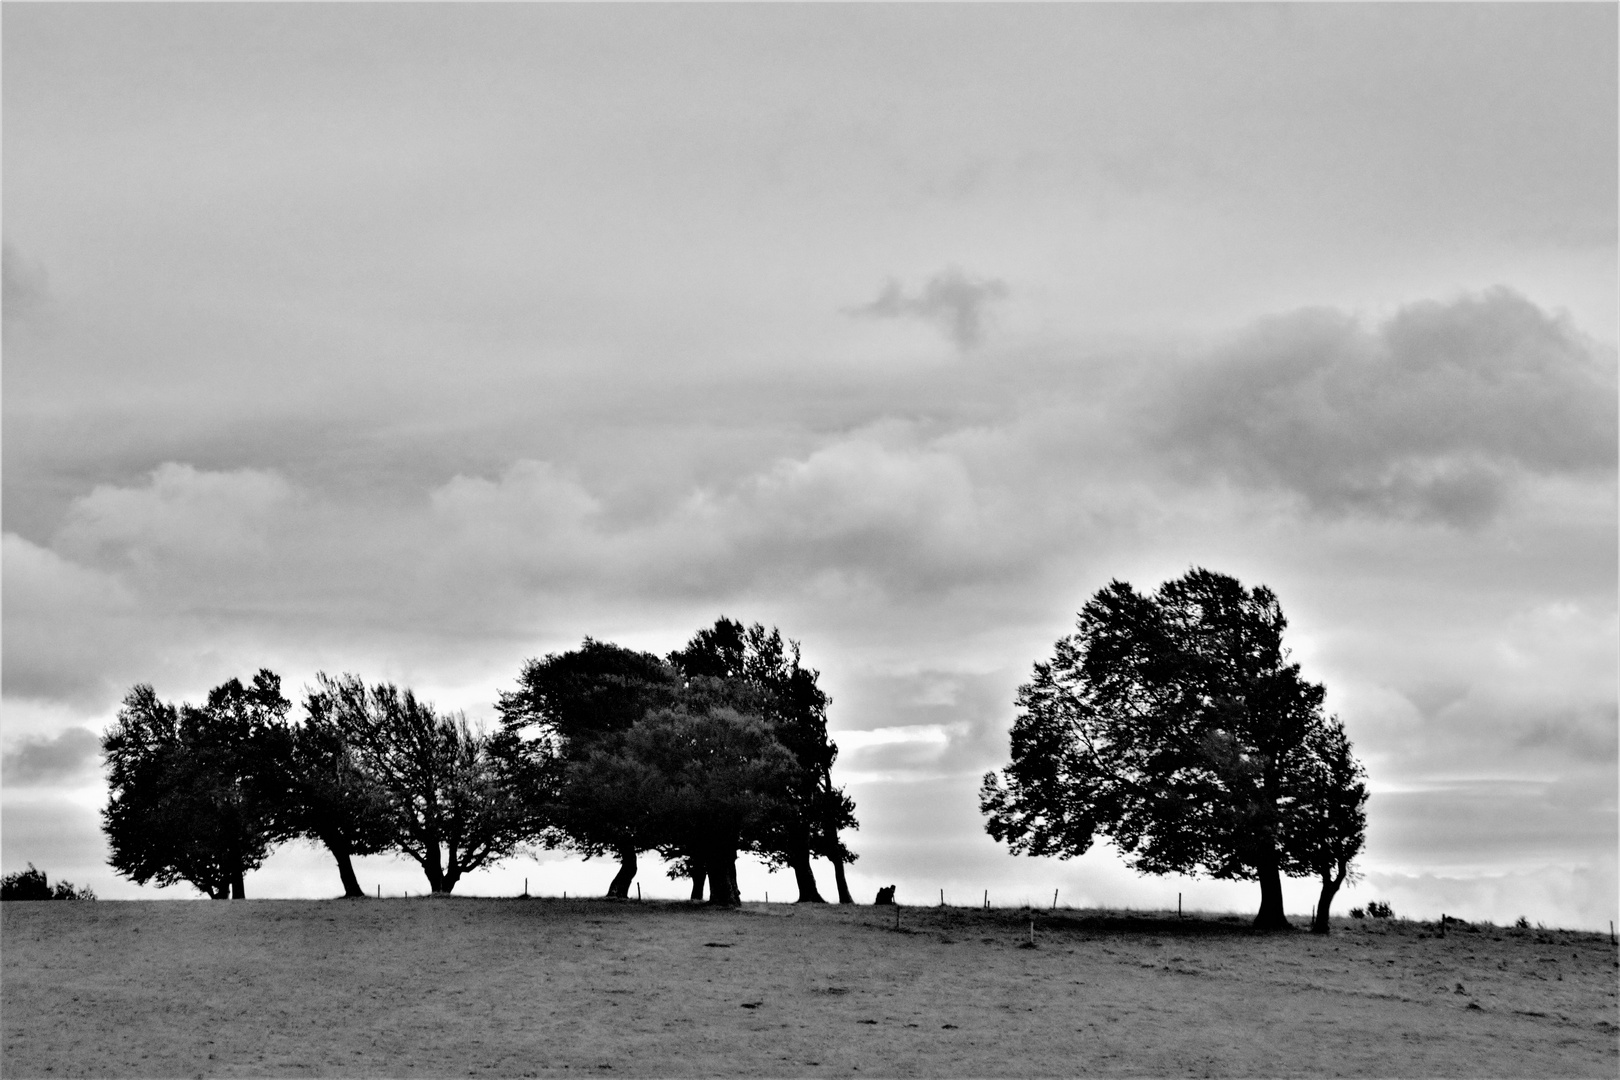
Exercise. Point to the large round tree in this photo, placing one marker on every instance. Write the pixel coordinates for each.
(196, 792)
(1174, 725)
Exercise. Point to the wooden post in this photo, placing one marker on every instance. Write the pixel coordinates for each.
(379, 894)
(987, 901)
(638, 892)
(1054, 899)
(525, 886)
(1178, 905)
(1032, 930)
(1442, 924)
(942, 898)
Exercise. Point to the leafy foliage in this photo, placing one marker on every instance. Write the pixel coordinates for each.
(447, 799)
(698, 784)
(813, 812)
(1175, 726)
(31, 884)
(195, 792)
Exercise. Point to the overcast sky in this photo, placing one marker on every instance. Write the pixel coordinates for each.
(416, 341)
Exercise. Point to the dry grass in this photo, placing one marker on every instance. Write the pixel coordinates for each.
(525, 987)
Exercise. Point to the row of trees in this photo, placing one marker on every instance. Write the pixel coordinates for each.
(718, 749)
(1175, 726)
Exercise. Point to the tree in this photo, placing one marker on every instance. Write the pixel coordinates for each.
(1327, 831)
(31, 884)
(194, 791)
(332, 799)
(813, 812)
(566, 707)
(697, 783)
(1175, 726)
(451, 805)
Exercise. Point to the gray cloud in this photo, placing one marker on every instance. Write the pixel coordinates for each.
(957, 303)
(40, 761)
(1432, 414)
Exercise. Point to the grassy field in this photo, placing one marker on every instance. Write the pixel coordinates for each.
(527, 987)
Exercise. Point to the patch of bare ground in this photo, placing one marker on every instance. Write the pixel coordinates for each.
(529, 987)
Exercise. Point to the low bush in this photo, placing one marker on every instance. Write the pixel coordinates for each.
(1380, 910)
(31, 884)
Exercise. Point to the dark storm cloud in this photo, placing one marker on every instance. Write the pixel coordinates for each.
(954, 301)
(40, 761)
(1432, 414)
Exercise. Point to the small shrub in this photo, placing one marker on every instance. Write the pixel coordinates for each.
(1380, 910)
(31, 884)
(1521, 923)
(26, 884)
(66, 890)
(1357, 913)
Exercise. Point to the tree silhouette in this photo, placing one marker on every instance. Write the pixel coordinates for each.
(700, 782)
(332, 799)
(1328, 827)
(566, 707)
(194, 792)
(452, 806)
(1174, 725)
(813, 812)
(31, 884)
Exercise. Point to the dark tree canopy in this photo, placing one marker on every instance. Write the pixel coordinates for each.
(195, 791)
(332, 799)
(31, 884)
(697, 784)
(566, 707)
(452, 805)
(813, 812)
(570, 714)
(1175, 726)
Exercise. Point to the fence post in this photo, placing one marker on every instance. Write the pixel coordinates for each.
(1054, 899)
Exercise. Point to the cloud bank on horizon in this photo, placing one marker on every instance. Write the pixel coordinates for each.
(904, 330)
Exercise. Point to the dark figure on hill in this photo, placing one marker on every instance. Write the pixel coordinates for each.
(885, 895)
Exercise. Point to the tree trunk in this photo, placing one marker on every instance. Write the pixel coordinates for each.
(1271, 915)
(340, 851)
(722, 867)
(238, 891)
(451, 876)
(844, 896)
(699, 875)
(619, 888)
(808, 893)
(433, 867)
(1324, 905)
